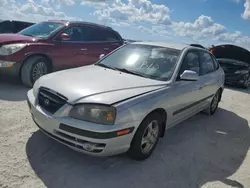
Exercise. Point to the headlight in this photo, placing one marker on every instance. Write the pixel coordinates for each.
(241, 72)
(11, 48)
(95, 113)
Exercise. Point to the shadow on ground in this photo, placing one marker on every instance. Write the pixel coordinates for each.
(200, 150)
(11, 89)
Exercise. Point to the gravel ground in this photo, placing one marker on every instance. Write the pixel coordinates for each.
(206, 152)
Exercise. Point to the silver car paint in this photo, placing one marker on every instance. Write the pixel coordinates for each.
(79, 84)
(111, 87)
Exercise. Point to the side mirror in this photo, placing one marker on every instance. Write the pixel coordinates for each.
(189, 75)
(64, 37)
(101, 56)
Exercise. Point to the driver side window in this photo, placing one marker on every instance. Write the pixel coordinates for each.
(75, 33)
(190, 62)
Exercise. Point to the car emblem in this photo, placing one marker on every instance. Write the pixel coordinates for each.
(46, 102)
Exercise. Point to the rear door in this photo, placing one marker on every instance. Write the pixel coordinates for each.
(209, 74)
(99, 41)
(111, 40)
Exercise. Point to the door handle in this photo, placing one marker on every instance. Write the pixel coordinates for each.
(84, 49)
(105, 49)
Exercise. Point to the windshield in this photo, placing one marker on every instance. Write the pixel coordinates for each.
(41, 30)
(143, 60)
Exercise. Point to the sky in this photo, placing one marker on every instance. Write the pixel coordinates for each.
(207, 22)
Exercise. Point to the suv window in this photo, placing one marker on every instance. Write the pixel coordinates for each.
(75, 33)
(190, 62)
(207, 63)
(110, 36)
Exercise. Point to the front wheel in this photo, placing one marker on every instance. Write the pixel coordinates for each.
(32, 69)
(146, 138)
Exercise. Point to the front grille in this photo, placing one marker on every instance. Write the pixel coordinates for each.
(50, 100)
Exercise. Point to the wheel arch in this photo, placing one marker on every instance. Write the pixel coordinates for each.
(163, 114)
(50, 62)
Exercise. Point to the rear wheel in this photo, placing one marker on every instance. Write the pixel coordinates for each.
(33, 68)
(214, 103)
(146, 138)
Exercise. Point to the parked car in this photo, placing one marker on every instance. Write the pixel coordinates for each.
(13, 26)
(125, 101)
(236, 64)
(54, 45)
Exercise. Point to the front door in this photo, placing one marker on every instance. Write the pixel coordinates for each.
(187, 95)
(70, 53)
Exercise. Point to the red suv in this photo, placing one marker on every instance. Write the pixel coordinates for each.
(54, 45)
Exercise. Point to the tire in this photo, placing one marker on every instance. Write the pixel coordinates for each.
(31, 65)
(214, 103)
(139, 151)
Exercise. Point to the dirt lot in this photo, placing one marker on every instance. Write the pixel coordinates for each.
(201, 152)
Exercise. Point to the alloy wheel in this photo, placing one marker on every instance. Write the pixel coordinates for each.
(149, 137)
(39, 70)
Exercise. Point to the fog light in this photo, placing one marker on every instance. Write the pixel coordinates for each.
(6, 63)
(88, 146)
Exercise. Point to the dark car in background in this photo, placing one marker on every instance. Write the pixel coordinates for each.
(13, 26)
(236, 64)
(55, 45)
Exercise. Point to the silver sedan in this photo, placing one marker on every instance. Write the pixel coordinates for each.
(126, 101)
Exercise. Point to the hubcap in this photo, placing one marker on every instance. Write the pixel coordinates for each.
(149, 137)
(39, 70)
(215, 102)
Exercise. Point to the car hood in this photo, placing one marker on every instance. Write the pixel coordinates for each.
(97, 84)
(14, 38)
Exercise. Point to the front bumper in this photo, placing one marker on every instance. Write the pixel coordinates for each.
(6, 69)
(82, 136)
(236, 78)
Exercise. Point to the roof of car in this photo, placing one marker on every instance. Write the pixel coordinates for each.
(163, 44)
(78, 22)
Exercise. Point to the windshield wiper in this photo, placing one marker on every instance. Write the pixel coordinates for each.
(131, 72)
(105, 66)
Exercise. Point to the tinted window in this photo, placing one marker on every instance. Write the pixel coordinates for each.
(191, 62)
(148, 61)
(207, 64)
(6, 27)
(93, 34)
(110, 36)
(41, 30)
(75, 33)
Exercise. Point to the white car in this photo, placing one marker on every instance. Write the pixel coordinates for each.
(124, 102)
